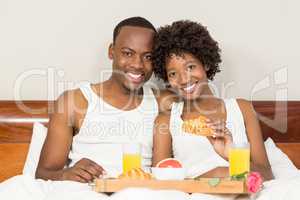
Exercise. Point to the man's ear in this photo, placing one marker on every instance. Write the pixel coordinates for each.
(111, 51)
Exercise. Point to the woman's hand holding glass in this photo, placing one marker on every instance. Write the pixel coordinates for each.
(221, 139)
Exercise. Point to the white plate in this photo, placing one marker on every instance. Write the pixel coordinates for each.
(168, 173)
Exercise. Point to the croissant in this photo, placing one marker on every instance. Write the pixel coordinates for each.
(197, 126)
(136, 173)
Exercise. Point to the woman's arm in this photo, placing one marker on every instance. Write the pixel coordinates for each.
(259, 158)
(162, 140)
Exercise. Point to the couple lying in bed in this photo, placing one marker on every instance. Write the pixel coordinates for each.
(90, 124)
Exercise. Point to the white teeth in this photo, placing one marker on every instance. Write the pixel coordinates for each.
(189, 88)
(135, 76)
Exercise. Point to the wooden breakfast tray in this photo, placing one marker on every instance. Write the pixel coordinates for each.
(225, 186)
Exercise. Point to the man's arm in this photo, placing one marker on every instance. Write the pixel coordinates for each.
(55, 151)
(165, 98)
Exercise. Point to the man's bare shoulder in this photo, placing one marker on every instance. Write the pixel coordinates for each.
(70, 96)
(70, 101)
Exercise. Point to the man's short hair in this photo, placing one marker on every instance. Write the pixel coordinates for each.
(132, 21)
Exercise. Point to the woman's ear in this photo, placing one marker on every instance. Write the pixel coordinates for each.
(111, 51)
(206, 68)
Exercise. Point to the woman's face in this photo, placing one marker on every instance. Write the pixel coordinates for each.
(186, 75)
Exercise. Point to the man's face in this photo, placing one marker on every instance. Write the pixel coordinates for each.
(131, 56)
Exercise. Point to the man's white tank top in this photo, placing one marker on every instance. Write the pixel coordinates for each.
(105, 128)
(196, 152)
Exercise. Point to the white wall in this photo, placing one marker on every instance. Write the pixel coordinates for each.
(64, 42)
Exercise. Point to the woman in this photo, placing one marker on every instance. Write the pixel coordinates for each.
(185, 56)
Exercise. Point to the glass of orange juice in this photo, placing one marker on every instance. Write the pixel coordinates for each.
(239, 158)
(131, 156)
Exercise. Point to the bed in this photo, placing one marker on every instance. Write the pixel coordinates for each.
(279, 120)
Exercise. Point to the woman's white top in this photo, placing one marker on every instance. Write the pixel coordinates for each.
(196, 152)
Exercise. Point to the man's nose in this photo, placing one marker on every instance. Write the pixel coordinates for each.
(137, 63)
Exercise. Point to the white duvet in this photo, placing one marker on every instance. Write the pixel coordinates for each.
(25, 187)
(286, 186)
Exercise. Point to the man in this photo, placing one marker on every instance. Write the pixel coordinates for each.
(93, 111)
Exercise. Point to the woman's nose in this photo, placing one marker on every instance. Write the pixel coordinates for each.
(184, 78)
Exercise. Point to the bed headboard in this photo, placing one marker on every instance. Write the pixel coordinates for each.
(16, 120)
(280, 120)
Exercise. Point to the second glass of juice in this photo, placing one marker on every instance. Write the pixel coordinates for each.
(131, 156)
(239, 159)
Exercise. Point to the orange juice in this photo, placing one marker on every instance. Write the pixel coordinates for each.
(131, 161)
(239, 161)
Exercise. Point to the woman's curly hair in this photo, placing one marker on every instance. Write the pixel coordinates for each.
(185, 37)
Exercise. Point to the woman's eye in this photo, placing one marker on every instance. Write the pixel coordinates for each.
(171, 74)
(191, 67)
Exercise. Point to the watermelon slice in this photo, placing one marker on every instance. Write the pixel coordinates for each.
(169, 163)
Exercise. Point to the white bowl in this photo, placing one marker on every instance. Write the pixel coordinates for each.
(168, 173)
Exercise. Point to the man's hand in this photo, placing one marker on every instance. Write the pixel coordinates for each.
(85, 170)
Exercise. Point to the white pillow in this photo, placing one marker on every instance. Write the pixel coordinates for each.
(39, 133)
(282, 166)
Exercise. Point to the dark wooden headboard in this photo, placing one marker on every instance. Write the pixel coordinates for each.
(279, 120)
(16, 120)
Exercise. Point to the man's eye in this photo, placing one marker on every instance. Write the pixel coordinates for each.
(126, 53)
(148, 57)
